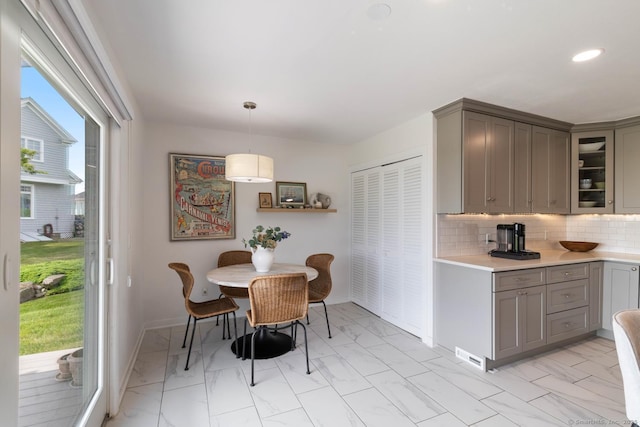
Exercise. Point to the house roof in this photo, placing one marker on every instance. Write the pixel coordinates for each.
(65, 136)
(338, 71)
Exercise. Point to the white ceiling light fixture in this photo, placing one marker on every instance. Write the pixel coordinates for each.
(587, 55)
(248, 167)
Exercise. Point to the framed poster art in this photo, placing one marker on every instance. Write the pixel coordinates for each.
(202, 200)
(291, 194)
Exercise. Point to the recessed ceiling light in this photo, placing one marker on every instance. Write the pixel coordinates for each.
(379, 11)
(587, 55)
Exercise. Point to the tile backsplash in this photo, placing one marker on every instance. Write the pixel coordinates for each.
(467, 234)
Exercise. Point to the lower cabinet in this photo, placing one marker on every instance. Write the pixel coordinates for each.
(620, 290)
(496, 316)
(519, 319)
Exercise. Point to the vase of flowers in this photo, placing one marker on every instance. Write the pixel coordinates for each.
(262, 244)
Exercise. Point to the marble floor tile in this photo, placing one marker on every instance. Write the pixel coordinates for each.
(520, 412)
(445, 419)
(184, 407)
(370, 373)
(326, 408)
(247, 417)
(397, 360)
(566, 411)
(604, 407)
(459, 376)
(452, 398)
(407, 397)
(341, 375)
(361, 359)
(140, 407)
(149, 368)
(227, 391)
(375, 410)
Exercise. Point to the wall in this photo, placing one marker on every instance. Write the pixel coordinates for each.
(465, 234)
(322, 166)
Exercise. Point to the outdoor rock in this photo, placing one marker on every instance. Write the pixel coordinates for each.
(27, 292)
(52, 281)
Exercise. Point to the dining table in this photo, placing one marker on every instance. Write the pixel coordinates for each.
(272, 342)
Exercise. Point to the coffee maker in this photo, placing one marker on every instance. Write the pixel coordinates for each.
(511, 242)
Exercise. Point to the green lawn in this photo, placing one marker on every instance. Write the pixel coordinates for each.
(54, 322)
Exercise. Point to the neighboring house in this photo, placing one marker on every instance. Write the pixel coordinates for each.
(47, 200)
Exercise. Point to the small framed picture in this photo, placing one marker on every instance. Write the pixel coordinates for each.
(265, 200)
(291, 194)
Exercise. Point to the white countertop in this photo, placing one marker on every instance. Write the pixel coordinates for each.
(548, 258)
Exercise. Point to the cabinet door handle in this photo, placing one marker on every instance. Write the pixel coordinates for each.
(634, 268)
(610, 202)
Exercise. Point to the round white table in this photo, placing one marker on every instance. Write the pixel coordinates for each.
(239, 275)
(268, 343)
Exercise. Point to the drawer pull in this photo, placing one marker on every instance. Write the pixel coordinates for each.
(566, 295)
(567, 325)
(567, 273)
(523, 279)
(522, 293)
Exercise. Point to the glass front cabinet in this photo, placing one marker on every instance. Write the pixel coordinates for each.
(592, 172)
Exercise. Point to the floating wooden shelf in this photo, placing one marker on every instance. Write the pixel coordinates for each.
(296, 210)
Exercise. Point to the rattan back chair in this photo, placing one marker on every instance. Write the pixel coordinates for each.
(277, 299)
(320, 287)
(186, 331)
(202, 310)
(233, 258)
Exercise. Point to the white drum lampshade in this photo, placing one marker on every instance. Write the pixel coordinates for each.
(248, 168)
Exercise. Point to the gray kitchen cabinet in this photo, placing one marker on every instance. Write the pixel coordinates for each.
(522, 174)
(627, 172)
(596, 275)
(592, 171)
(484, 160)
(488, 167)
(619, 291)
(550, 182)
(519, 321)
(490, 318)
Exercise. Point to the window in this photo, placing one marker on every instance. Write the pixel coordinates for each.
(26, 201)
(36, 145)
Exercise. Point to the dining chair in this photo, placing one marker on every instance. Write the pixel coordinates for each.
(186, 331)
(233, 258)
(277, 299)
(203, 310)
(626, 331)
(320, 287)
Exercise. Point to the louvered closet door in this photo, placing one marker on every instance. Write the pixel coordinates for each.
(403, 245)
(365, 239)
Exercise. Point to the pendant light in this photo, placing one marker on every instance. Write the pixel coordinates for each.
(248, 167)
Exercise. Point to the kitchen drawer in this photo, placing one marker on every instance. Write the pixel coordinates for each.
(567, 295)
(508, 280)
(565, 273)
(567, 324)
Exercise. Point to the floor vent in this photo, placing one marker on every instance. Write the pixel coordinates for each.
(478, 362)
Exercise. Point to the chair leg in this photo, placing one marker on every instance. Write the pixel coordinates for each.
(326, 315)
(186, 332)
(235, 330)
(244, 341)
(228, 326)
(193, 332)
(306, 345)
(253, 353)
(218, 316)
(308, 318)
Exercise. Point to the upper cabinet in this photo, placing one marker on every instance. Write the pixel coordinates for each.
(627, 172)
(488, 167)
(592, 172)
(496, 160)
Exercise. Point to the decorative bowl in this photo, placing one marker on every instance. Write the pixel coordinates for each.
(599, 185)
(593, 146)
(587, 204)
(578, 246)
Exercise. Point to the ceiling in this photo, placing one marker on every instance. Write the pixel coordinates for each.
(332, 71)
